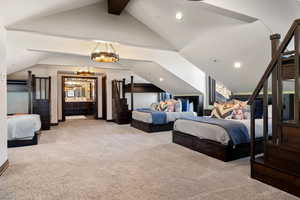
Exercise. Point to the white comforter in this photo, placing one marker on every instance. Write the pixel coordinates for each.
(214, 132)
(171, 116)
(20, 127)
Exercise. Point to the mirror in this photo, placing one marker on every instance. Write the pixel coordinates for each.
(80, 89)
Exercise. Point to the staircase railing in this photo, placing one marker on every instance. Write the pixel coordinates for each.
(276, 69)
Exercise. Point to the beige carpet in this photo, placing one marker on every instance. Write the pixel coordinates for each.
(89, 159)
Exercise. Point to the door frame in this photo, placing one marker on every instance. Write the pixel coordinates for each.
(64, 95)
(104, 97)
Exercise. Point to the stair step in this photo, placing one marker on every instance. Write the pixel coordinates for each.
(279, 178)
(283, 157)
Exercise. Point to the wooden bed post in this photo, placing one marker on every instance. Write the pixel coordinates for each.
(275, 39)
(29, 85)
(132, 88)
(123, 88)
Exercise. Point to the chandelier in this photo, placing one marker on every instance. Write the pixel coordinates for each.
(85, 73)
(104, 52)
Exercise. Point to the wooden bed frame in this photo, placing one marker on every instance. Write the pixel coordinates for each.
(22, 143)
(151, 128)
(215, 149)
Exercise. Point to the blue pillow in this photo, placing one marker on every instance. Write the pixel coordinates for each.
(185, 105)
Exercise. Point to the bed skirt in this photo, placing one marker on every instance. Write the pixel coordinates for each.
(151, 128)
(215, 149)
(22, 143)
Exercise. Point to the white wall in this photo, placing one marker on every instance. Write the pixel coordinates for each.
(142, 100)
(18, 102)
(3, 118)
(118, 75)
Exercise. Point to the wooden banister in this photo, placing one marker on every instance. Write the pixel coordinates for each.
(274, 60)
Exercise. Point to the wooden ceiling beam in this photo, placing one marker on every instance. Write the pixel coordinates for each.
(116, 7)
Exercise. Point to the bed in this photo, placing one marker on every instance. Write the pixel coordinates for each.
(210, 138)
(149, 121)
(157, 121)
(23, 130)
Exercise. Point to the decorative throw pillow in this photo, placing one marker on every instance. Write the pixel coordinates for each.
(238, 114)
(215, 112)
(222, 110)
(163, 106)
(185, 105)
(154, 106)
(241, 110)
(171, 105)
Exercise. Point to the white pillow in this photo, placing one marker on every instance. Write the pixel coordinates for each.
(178, 106)
(191, 107)
(270, 109)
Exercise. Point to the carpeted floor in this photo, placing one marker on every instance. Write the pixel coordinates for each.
(89, 159)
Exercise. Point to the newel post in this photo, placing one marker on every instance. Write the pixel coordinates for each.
(275, 40)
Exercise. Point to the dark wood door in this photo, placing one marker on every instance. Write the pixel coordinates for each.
(104, 98)
(41, 98)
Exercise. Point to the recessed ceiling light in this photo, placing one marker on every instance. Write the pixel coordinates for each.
(161, 79)
(179, 15)
(237, 65)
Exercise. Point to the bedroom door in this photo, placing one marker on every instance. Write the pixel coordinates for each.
(41, 97)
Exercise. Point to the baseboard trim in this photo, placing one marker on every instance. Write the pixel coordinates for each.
(4, 167)
(110, 120)
(54, 124)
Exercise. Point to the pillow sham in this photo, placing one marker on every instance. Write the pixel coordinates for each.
(270, 110)
(185, 105)
(178, 106)
(191, 107)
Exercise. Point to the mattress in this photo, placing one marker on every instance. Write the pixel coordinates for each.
(171, 116)
(23, 127)
(214, 132)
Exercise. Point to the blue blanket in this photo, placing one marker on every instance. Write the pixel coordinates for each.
(157, 116)
(237, 131)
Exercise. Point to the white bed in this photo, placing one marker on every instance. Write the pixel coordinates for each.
(214, 132)
(171, 116)
(23, 127)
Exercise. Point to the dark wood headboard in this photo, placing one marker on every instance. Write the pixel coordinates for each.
(198, 102)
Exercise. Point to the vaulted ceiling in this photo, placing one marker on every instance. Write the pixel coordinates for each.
(210, 37)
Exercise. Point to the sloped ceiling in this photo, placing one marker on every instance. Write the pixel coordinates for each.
(212, 35)
(94, 23)
(13, 11)
(77, 52)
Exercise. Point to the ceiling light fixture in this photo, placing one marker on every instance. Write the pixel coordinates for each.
(179, 15)
(161, 79)
(104, 52)
(237, 65)
(85, 73)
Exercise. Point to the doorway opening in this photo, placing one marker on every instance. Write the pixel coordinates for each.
(79, 98)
